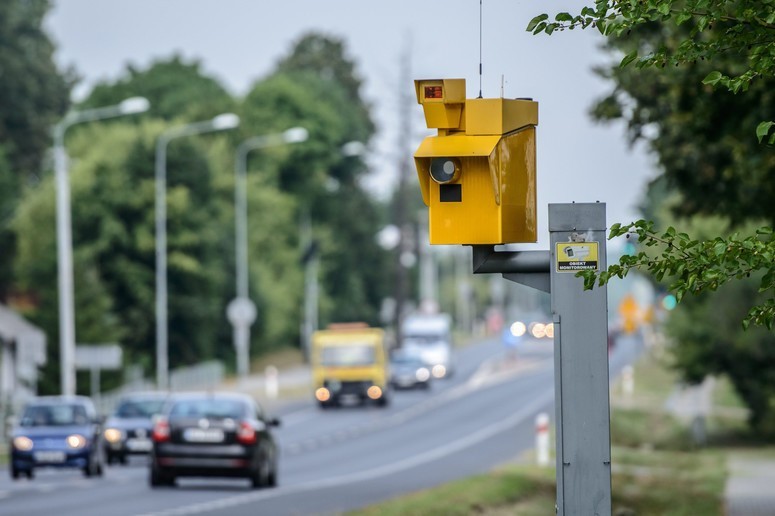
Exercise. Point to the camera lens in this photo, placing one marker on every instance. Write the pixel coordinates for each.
(445, 170)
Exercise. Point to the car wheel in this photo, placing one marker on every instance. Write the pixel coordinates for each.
(159, 478)
(271, 479)
(257, 478)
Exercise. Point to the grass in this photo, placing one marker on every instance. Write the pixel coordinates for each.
(530, 489)
(657, 469)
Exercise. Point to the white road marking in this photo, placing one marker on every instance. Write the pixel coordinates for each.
(437, 453)
(483, 377)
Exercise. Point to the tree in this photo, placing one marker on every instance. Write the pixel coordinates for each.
(33, 91)
(315, 86)
(700, 135)
(739, 35)
(34, 95)
(744, 28)
(112, 182)
(176, 89)
(703, 79)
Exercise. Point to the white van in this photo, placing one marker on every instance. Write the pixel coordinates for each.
(429, 336)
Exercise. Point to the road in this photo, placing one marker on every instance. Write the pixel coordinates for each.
(337, 460)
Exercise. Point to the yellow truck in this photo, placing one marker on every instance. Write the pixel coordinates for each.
(350, 362)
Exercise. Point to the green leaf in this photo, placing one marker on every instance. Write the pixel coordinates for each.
(682, 17)
(712, 78)
(629, 58)
(563, 17)
(535, 21)
(763, 129)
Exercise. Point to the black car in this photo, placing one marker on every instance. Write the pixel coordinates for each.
(408, 371)
(58, 432)
(213, 434)
(128, 430)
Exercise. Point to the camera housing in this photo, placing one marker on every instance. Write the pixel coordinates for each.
(478, 174)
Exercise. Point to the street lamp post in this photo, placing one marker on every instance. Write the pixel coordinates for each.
(242, 311)
(219, 123)
(64, 229)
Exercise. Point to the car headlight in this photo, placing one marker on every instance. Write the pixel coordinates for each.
(323, 394)
(22, 443)
(113, 435)
(76, 441)
(439, 371)
(422, 374)
(374, 392)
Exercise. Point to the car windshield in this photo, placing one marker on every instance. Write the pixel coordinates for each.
(423, 340)
(54, 415)
(406, 361)
(145, 409)
(208, 408)
(350, 355)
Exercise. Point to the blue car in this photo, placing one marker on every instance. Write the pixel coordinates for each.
(59, 432)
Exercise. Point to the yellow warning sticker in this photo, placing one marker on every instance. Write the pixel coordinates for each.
(576, 256)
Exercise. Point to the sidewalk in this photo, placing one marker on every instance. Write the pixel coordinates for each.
(750, 488)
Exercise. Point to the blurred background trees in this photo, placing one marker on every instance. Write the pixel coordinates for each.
(715, 179)
(112, 181)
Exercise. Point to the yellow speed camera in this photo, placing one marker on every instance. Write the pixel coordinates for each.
(478, 174)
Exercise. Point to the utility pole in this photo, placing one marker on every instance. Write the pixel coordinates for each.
(401, 200)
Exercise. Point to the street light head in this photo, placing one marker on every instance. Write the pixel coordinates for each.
(353, 149)
(295, 135)
(134, 105)
(225, 121)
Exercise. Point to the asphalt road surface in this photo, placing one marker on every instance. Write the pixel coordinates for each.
(341, 459)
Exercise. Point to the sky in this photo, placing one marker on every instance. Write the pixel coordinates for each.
(240, 41)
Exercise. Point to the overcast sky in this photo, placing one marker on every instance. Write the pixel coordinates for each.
(239, 41)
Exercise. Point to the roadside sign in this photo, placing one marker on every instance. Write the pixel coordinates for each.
(241, 311)
(576, 256)
(98, 356)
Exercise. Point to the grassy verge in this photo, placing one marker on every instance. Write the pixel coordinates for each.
(656, 467)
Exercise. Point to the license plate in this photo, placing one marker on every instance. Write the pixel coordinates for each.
(198, 435)
(138, 444)
(50, 456)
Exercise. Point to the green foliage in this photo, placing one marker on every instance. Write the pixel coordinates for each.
(113, 209)
(714, 29)
(175, 88)
(703, 79)
(33, 93)
(33, 96)
(695, 266)
(709, 341)
(325, 56)
(315, 86)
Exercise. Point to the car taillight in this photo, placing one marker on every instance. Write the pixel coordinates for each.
(161, 431)
(246, 434)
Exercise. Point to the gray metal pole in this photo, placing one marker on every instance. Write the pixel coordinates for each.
(428, 272)
(242, 331)
(219, 123)
(162, 366)
(64, 226)
(581, 365)
(64, 265)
